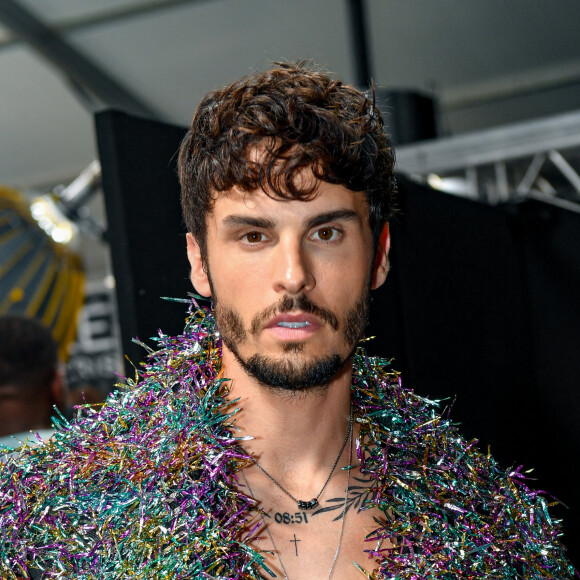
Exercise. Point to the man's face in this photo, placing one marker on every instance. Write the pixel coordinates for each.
(290, 282)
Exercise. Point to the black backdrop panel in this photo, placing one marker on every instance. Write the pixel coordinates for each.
(462, 325)
(481, 305)
(145, 228)
(551, 405)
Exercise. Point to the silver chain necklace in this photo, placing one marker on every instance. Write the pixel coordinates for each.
(309, 505)
(341, 533)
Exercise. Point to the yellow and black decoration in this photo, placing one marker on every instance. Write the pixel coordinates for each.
(39, 277)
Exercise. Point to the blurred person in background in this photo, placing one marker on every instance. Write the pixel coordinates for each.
(31, 381)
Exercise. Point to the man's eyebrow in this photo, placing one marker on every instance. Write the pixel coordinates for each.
(243, 220)
(332, 216)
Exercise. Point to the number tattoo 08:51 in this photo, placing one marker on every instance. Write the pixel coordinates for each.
(286, 518)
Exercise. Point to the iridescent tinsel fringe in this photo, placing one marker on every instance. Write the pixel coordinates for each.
(146, 486)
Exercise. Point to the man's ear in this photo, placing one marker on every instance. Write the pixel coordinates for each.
(199, 277)
(381, 265)
(58, 391)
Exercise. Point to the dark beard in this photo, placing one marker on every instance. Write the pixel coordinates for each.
(290, 374)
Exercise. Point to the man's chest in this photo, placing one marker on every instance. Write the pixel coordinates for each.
(340, 535)
(300, 550)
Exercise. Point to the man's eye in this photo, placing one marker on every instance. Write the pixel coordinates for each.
(327, 234)
(254, 237)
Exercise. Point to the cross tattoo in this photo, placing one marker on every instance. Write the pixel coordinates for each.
(295, 543)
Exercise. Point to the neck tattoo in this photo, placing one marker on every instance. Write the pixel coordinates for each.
(344, 508)
(311, 504)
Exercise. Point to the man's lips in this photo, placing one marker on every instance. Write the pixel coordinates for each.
(288, 327)
(293, 311)
(294, 321)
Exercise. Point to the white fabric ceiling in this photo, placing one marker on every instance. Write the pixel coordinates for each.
(468, 53)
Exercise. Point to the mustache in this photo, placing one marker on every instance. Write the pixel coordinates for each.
(288, 303)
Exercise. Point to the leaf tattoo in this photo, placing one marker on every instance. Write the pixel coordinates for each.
(358, 497)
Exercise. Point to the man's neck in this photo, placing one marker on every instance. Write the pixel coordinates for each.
(295, 436)
(303, 443)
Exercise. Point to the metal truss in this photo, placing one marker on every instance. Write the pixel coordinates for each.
(537, 159)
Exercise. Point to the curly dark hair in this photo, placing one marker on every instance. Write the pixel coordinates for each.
(302, 118)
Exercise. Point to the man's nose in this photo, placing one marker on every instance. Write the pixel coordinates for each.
(293, 269)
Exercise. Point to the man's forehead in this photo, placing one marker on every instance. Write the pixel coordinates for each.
(326, 197)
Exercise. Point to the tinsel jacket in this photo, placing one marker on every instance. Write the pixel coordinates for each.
(146, 485)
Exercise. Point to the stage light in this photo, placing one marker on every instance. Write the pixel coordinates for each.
(52, 220)
(454, 185)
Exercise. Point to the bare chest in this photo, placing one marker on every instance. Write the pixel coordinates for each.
(330, 541)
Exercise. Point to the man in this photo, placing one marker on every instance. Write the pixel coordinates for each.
(288, 259)
(31, 382)
(262, 442)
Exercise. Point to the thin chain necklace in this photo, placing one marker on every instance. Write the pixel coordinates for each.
(309, 505)
(341, 533)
